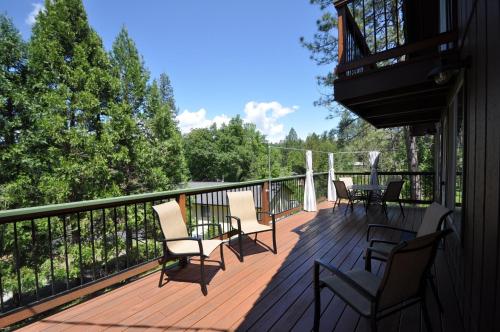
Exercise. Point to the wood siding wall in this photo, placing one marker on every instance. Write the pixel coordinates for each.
(475, 259)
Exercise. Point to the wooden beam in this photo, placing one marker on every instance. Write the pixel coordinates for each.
(265, 202)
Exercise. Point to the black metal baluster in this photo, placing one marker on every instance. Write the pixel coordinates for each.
(65, 235)
(17, 263)
(126, 235)
(136, 235)
(385, 23)
(200, 205)
(34, 258)
(397, 23)
(92, 243)
(115, 224)
(374, 27)
(51, 256)
(79, 247)
(105, 241)
(146, 230)
(154, 230)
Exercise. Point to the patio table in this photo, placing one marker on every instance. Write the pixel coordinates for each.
(368, 189)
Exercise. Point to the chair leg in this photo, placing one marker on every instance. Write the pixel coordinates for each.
(384, 207)
(240, 245)
(368, 264)
(317, 306)
(335, 204)
(255, 239)
(274, 240)
(162, 273)
(425, 314)
(202, 270)
(434, 292)
(402, 210)
(373, 324)
(222, 262)
(346, 208)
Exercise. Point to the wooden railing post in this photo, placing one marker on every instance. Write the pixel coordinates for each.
(341, 36)
(265, 202)
(181, 199)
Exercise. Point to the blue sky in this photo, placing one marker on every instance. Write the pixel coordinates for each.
(224, 57)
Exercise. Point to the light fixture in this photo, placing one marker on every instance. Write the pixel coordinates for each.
(446, 70)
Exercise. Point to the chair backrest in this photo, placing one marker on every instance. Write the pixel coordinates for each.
(393, 191)
(347, 180)
(171, 221)
(341, 189)
(406, 270)
(433, 218)
(241, 205)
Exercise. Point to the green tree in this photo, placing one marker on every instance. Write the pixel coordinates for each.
(13, 117)
(167, 93)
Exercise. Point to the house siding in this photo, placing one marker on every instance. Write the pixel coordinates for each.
(474, 258)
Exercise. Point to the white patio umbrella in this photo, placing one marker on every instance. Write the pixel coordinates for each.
(373, 156)
(332, 193)
(309, 193)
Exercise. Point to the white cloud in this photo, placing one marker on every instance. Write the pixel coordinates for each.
(191, 120)
(265, 116)
(37, 8)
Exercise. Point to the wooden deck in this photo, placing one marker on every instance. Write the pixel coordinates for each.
(265, 292)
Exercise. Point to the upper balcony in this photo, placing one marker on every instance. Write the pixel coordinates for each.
(390, 53)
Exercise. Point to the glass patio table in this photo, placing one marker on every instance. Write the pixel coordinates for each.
(368, 189)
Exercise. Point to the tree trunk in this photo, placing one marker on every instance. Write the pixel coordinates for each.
(412, 158)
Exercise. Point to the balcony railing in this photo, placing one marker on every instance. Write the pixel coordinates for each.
(377, 33)
(51, 255)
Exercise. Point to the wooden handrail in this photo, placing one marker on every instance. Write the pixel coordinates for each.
(440, 39)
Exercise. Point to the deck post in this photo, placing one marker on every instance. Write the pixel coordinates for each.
(266, 218)
(181, 199)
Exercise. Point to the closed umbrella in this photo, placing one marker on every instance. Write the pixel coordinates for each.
(332, 193)
(309, 193)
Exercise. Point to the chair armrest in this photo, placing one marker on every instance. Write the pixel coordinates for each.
(187, 238)
(219, 228)
(238, 220)
(319, 263)
(372, 241)
(269, 213)
(370, 226)
(368, 256)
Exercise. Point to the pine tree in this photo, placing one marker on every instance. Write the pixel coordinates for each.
(13, 118)
(167, 93)
(72, 90)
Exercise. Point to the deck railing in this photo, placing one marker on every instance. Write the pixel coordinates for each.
(50, 255)
(377, 33)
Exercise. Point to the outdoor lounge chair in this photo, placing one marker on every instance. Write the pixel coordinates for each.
(344, 193)
(177, 242)
(243, 218)
(402, 284)
(391, 194)
(432, 221)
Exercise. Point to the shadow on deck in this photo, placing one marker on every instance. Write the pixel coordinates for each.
(267, 291)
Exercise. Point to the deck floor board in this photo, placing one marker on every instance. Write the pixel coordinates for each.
(266, 292)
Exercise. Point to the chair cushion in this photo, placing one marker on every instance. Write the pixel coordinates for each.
(191, 247)
(384, 247)
(366, 280)
(248, 227)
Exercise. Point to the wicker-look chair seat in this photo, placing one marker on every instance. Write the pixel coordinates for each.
(344, 290)
(250, 228)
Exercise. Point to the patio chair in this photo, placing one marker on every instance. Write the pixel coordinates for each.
(243, 218)
(178, 244)
(432, 221)
(391, 194)
(402, 284)
(344, 193)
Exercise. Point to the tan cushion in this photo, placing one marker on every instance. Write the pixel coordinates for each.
(191, 247)
(366, 280)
